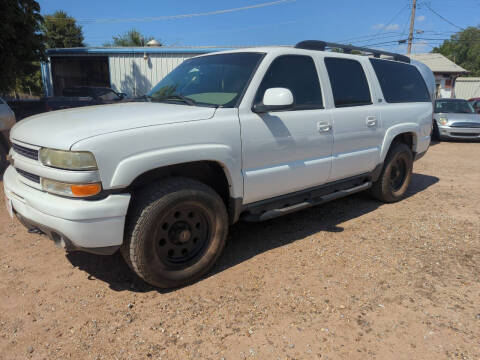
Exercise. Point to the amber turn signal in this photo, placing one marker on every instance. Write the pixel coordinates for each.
(85, 190)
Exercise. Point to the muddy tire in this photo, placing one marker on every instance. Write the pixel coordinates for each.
(395, 176)
(435, 135)
(175, 232)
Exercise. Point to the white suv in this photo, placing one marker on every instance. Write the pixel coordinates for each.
(247, 134)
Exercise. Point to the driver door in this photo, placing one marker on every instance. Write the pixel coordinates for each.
(290, 150)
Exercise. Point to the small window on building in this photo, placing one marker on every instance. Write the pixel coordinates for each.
(400, 82)
(298, 74)
(349, 83)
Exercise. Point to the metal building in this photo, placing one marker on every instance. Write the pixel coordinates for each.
(133, 71)
(467, 87)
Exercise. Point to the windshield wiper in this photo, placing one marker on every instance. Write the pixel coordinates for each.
(185, 99)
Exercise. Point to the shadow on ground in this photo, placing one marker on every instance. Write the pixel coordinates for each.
(247, 240)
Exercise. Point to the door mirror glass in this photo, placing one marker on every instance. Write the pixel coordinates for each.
(275, 99)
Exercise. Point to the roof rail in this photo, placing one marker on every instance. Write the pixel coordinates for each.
(347, 49)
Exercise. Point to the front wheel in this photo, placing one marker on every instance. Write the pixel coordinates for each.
(176, 231)
(396, 174)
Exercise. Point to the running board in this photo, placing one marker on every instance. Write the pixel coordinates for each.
(270, 214)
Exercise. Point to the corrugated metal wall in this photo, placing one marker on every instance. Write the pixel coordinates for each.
(467, 88)
(132, 74)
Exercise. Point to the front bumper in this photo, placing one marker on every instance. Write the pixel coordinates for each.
(447, 132)
(95, 226)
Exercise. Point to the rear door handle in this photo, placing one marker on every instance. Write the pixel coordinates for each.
(371, 121)
(323, 126)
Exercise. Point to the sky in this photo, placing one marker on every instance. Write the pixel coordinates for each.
(222, 23)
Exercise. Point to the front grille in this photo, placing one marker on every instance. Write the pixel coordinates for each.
(29, 176)
(465, 125)
(24, 151)
(464, 134)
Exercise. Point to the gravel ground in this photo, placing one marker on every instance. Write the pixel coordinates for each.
(352, 279)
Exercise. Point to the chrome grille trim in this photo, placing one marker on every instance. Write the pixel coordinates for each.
(460, 124)
(24, 151)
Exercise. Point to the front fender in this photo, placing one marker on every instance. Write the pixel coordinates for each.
(131, 167)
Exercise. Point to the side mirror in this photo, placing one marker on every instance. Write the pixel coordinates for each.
(275, 99)
(122, 95)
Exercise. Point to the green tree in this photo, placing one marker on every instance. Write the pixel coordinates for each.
(463, 48)
(131, 38)
(62, 31)
(21, 42)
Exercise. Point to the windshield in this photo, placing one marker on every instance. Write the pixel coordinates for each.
(214, 80)
(455, 106)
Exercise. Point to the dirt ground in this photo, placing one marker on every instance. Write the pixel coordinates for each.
(352, 279)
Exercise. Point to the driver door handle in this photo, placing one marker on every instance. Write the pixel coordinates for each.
(323, 126)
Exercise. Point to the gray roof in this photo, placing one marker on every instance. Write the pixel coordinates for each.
(438, 63)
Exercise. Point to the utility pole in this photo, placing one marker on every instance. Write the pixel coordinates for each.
(412, 25)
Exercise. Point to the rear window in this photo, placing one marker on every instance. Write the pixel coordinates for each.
(400, 82)
(349, 83)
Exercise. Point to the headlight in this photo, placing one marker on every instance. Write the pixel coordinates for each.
(71, 190)
(69, 160)
(442, 120)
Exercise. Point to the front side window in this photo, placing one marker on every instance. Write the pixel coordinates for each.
(349, 82)
(298, 74)
(214, 80)
(400, 82)
(454, 106)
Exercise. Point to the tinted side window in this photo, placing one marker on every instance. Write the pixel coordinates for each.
(400, 82)
(298, 74)
(349, 83)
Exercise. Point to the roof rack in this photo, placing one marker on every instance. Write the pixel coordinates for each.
(347, 49)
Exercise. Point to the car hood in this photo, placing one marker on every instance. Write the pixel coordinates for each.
(61, 129)
(454, 117)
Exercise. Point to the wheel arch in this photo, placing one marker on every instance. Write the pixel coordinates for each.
(209, 172)
(407, 134)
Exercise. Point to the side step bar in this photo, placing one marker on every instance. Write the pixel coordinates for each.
(270, 214)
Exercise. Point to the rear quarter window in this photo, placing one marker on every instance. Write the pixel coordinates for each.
(349, 83)
(400, 82)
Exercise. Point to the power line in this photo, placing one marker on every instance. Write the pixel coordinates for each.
(175, 17)
(366, 37)
(441, 17)
(393, 18)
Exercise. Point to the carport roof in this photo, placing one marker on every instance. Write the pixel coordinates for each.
(133, 50)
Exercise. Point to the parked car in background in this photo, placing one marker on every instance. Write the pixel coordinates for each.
(248, 134)
(475, 102)
(79, 96)
(455, 119)
(7, 120)
(72, 97)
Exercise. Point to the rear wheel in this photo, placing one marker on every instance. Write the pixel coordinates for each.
(175, 233)
(396, 174)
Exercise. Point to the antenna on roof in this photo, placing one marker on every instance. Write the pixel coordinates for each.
(347, 49)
